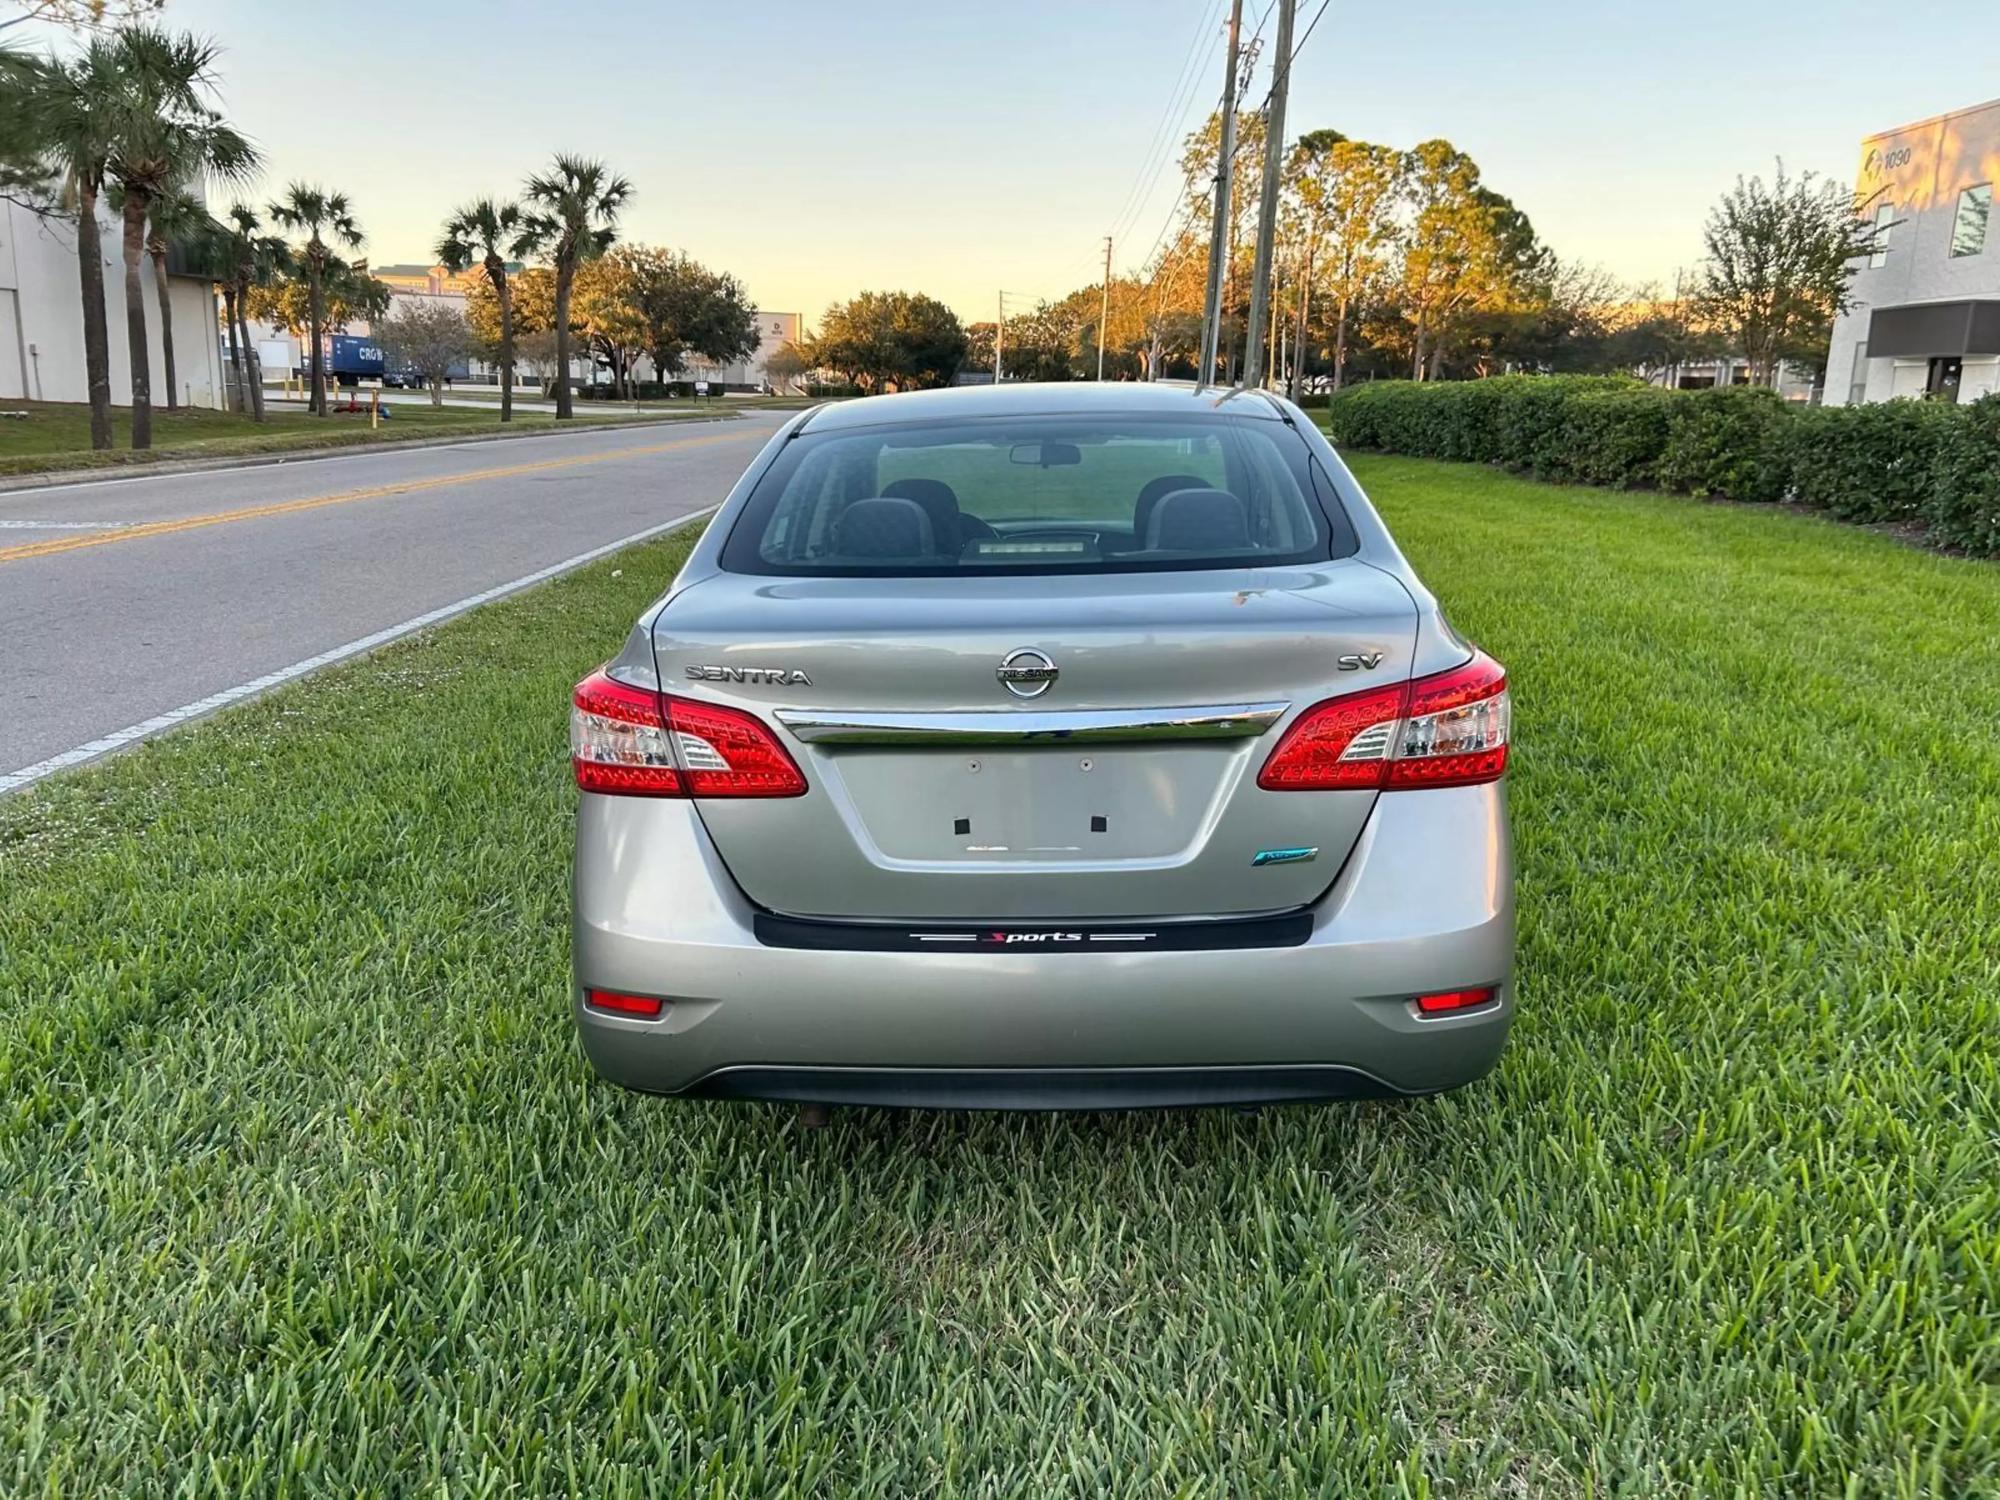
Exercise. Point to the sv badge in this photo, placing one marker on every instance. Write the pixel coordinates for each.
(1360, 661)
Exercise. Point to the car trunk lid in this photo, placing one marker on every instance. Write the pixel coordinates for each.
(1052, 748)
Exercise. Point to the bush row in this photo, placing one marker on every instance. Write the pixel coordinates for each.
(1921, 462)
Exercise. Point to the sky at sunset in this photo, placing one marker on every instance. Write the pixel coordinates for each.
(818, 149)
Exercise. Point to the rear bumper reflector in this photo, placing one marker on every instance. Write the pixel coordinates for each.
(645, 1007)
(1446, 1001)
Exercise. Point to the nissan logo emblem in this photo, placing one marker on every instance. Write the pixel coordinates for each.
(1026, 673)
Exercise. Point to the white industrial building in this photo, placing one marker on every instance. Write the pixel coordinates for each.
(1926, 319)
(41, 318)
(774, 331)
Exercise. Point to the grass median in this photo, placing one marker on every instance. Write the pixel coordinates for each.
(308, 1188)
(55, 437)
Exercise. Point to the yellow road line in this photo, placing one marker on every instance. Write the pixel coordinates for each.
(342, 497)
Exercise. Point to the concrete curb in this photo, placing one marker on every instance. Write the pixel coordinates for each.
(57, 478)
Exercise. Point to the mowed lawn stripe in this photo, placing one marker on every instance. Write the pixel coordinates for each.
(309, 1185)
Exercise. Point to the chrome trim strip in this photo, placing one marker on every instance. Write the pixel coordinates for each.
(1225, 721)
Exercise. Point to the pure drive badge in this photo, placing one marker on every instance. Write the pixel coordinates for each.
(1284, 856)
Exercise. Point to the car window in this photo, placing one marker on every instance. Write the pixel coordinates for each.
(1046, 494)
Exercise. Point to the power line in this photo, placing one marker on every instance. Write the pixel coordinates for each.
(1159, 154)
(1174, 209)
(1267, 210)
(1211, 317)
(1177, 115)
(1257, 35)
(1309, 30)
(1162, 137)
(1250, 52)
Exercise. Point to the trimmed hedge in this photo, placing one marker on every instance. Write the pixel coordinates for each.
(1870, 464)
(1962, 505)
(1899, 462)
(1724, 442)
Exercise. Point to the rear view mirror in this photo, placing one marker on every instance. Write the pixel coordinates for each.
(1045, 454)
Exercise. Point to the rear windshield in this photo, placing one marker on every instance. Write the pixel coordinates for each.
(1040, 495)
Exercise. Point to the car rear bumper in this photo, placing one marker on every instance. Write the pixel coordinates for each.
(1424, 903)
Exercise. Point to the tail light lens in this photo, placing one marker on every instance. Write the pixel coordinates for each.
(1455, 729)
(1449, 729)
(634, 742)
(1343, 742)
(727, 753)
(618, 740)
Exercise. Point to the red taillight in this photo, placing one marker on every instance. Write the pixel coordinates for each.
(618, 740)
(1444, 1002)
(634, 742)
(1455, 729)
(1449, 729)
(646, 1007)
(1338, 743)
(727, 753)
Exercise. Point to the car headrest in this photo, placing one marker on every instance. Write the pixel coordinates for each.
(883, 526)
(1150, 495)
(938, 501)
(1199, 520)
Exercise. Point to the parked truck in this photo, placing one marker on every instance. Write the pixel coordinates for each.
(350, 359)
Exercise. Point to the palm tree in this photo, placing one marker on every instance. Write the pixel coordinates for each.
(492, 234)
(62, 110)
(24, 176)
(318, 215)
(249, 259)
(177, 219)
(577, 203)
(164, 137)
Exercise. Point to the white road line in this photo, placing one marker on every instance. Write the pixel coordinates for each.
(13, 781)
(65, 525)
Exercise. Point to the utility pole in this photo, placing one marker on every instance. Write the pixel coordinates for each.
(1104, 308)
(1218, 237)
(1305, 303)
(1278, 332)
(999, 336)
(1267, 212)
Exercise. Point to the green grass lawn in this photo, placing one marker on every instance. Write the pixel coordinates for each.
(308, 1190)
(56, 435)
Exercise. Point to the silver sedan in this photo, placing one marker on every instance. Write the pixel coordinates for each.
(1044, 747)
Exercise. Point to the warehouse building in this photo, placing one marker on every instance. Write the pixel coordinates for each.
(774, 331)
(1926, 319)
(41, 318)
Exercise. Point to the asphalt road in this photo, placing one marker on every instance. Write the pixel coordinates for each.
(129, 599)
